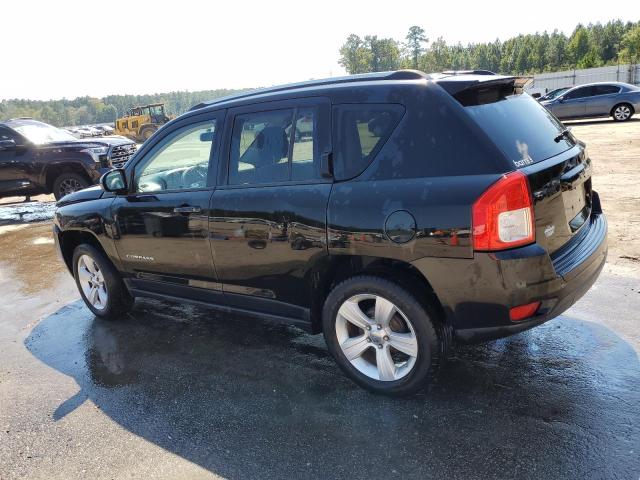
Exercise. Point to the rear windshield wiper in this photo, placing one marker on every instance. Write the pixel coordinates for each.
(561, 135)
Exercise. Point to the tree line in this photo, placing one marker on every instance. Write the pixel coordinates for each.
(593, 45)
(90, 110)
(588, 46)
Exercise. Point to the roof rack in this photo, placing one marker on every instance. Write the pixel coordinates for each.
(361, 77)
(468, 72)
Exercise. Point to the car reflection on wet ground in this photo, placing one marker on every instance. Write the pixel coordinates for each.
(173, 390)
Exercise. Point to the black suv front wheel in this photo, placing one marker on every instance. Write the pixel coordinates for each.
(99, 283)
(381, 336)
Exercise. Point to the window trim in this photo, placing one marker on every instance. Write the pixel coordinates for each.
(323, 105)
(169, 129)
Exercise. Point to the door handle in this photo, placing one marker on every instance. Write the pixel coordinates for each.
(187, 209)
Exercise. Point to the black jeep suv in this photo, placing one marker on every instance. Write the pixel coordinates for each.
(38, 158)
(393, 212)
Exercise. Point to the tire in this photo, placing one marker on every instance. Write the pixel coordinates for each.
(406, 375)
(67, 183)
(146, 133)
(622, 112)
(114, 297)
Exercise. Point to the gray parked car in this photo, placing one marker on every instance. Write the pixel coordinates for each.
(615, 99)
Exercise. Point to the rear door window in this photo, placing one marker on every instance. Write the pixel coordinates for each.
(523, 129)
(304, 158)
(359, 132)
(260, 147)
(605, 89)
(275, 146)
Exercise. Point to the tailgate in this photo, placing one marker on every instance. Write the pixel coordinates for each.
(562, 197)
(536, 143)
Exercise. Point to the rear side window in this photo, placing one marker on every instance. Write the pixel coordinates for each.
(359, 132)
(605, 89)
(524, 130)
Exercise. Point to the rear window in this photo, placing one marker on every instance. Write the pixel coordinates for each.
(523, 129)
(359, 133)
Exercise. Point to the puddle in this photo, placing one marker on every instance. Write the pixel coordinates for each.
(29, 257)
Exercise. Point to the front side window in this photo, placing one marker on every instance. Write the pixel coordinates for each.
(181, 162)
(274, 146)
(359, 131)
(579, 93)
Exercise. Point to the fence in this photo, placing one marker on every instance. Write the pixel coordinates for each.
(569, 78)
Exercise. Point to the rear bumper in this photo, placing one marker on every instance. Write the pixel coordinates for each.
(477, 294)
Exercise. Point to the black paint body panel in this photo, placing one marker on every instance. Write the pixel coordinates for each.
(273, 249)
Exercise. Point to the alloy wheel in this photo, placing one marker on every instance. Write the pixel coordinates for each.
(69, 185)
(92, 282)
(622, 112)
(376, 337)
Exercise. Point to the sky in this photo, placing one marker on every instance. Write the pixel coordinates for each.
(67, 48)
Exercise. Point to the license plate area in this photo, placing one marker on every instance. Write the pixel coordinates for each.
(577, 205)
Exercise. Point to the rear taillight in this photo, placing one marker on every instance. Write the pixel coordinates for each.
(503, 215)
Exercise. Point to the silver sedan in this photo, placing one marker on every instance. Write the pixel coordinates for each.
(611, 99)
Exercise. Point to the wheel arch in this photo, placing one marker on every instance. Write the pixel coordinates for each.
(629, 104)
(54, 171)
(70, 239)
(338, 268)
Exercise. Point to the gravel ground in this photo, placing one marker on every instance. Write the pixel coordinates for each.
(615, 151)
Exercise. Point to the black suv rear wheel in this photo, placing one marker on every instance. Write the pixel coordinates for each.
(99, 283)
(67, 183)
(381, 336)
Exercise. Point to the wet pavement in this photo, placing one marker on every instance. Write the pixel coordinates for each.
(176, 391)
(26, 212)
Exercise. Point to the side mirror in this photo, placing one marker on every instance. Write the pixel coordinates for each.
(7, 145)
(206, 137)
(561, 99)
(114, 181)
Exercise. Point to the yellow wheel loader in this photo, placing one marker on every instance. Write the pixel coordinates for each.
(139, 123)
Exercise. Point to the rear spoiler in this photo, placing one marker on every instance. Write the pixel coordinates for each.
(474, 89)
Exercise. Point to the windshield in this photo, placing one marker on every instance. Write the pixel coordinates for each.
(41, 133)
(522, 128)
